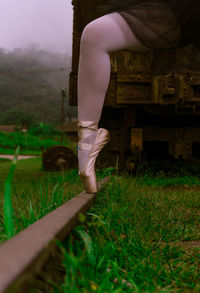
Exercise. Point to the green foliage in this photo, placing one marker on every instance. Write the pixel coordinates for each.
(8, 208)
(39, 137)
(170, 168)
(18, 118)
(44, 130)
(26, 141)
(88, 244)
(31, 82)
(22, 152)
(149, 180)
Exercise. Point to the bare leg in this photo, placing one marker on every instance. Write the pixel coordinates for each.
(101, 36)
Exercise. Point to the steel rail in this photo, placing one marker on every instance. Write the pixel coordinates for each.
(25, 253)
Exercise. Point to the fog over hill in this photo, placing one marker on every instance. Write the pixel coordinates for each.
(35, 57)
(31, 80)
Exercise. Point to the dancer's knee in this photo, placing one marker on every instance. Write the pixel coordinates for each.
(91, 36)
(109, 33)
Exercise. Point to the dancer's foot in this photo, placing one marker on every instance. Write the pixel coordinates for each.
(91, 141)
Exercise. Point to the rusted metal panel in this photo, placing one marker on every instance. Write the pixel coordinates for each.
(136, 140)
(136, 146)
(170, 89)
(133, 93)
(73, 89)
(127, 62)
(110, 98)
(180, 139)
(164, 89)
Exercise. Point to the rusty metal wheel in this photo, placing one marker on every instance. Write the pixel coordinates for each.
(59, 158)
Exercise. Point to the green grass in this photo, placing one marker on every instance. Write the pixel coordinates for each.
(27, 192)
(4, 160)
(5, 151)
(30, 143)
(130, 240)
(168, 181)
(32, 193)
(8, 212)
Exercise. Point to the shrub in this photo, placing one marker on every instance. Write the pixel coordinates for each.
(46, 130)
(25, 141)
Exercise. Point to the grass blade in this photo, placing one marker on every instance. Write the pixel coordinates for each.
(7, 207)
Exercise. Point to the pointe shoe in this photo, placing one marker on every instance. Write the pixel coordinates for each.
(87, 174)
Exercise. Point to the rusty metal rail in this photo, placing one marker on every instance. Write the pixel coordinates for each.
(26, 252)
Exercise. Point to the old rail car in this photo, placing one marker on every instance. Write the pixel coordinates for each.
(152, 105)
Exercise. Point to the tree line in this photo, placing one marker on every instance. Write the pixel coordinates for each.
(31, 80)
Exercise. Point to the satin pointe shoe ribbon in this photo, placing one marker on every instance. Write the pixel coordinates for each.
(87, 174)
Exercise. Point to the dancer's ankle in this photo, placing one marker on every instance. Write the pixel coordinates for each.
(87, 131)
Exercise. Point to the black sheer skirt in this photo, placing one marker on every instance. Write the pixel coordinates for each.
(153, 23)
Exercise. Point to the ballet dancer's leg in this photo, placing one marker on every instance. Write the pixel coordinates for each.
(101, 36)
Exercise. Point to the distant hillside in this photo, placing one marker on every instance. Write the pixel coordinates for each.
(31, 81)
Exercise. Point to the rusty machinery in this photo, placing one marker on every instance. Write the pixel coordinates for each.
(152, 105)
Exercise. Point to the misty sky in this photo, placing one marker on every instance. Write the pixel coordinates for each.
(46, 22)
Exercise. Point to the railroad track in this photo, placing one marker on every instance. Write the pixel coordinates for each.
(25, 254)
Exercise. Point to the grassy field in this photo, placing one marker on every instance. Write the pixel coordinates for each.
(33, 142)
(138, 237)
(34, 192)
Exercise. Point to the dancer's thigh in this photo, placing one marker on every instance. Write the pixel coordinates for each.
(110, 32)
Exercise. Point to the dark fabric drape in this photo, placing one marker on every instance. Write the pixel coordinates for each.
(187, 13)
